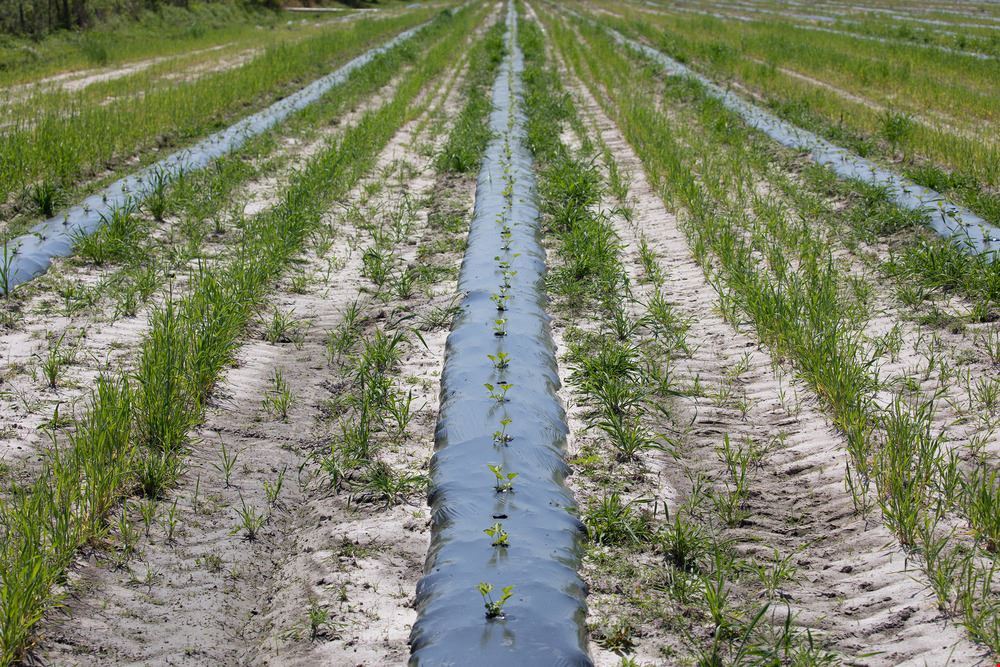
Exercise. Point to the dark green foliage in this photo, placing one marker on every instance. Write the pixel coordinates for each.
(464, 150)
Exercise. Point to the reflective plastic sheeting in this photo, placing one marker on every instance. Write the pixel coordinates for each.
(544, 621)
(32, 253)
(946, 218)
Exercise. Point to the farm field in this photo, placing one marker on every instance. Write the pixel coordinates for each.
(497, 332)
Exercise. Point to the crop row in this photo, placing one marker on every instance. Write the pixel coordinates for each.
(621, 348)
(70, 146)
(783, 277)
(132, 438)
(502, 523)
(926, 109)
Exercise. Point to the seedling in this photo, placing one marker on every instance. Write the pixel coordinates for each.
(507, 276)
(335, 466)
(498, 393)
(147, 508)
(226, 465)
(506, 236)
(127, 535)
(342, 339)
(194, 496)
(404, 284)
(384, 483)
(989, 342)
(494, 608)
(156, 199)
(501, 437)
(54, 361)
(501, 360)
(774, 573)
(400, 407)
(300, 284)
(504, 481)
(319, 619)
(500, 327)
(171, 521)
(279, 400)
(500, 536)
(251, 521)
(376, 266)
(896, 127)
(281, 328)
(500, 300)
(46, 197)
(730, 502)
(273, 489)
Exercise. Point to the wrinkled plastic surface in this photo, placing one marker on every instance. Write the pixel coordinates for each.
(544, 621)
(946, 218)
(34, 251)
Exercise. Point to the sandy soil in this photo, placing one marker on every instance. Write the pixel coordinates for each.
(208, 595)
(221, 65)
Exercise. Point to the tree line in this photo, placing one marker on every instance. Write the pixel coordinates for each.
(39, 17)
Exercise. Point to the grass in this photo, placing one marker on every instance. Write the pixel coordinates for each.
(158, 40)
(925, 108)
(463, 151)
(879, 25)
(53, 149)
(135, 428)
(168, 32)
(703, 161)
